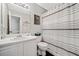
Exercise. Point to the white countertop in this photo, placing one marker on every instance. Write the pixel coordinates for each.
(10, 41)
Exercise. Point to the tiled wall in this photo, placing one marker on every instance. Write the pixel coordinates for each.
(59, 26)
(66, 36)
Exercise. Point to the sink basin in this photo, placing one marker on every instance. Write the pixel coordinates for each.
(29, 37)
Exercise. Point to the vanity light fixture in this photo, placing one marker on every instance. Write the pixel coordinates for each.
(24, 5)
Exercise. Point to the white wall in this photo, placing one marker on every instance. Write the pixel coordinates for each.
(66, 19)
(35, 28)
(35, 9)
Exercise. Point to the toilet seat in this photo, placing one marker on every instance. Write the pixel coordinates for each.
(42, 44)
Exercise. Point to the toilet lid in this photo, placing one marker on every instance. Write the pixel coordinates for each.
(42, 44)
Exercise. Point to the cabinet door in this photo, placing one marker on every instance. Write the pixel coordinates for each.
(9, 51)
(30, 48)
(20, 49)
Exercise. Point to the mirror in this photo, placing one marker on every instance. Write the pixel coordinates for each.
(15, 19)
(14, 25)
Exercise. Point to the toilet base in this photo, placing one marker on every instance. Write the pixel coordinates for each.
(41, 52)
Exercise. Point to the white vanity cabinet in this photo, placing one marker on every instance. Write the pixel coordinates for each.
(20, 49)
(9, 51)
(24, 48)
(30, 48)
(13, 50)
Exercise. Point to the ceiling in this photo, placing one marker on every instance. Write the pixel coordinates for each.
(26, 7)
(44, 6)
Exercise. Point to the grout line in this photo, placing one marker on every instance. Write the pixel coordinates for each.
(62, 29)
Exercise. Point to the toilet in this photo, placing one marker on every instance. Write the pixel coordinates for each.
(42, 47)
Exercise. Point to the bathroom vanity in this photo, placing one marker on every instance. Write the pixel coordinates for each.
(23, 46)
